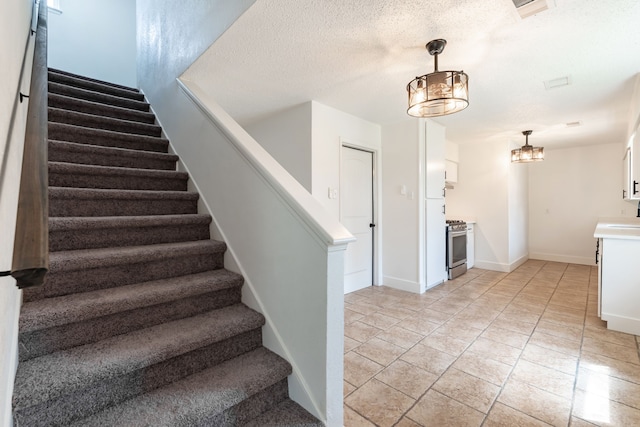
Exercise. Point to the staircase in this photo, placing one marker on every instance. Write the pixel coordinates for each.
(138, 323)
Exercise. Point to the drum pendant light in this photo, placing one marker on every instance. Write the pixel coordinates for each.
(438, 93)
(527, 153)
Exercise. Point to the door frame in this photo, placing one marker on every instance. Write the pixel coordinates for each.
(376, 258)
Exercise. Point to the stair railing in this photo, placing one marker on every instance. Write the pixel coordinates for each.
(31, 246)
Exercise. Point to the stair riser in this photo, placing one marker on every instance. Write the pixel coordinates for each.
(64, 240)
(46, 341)
(252, 406)
(94, 86)
(88, 401)
(98, 97)
(81, 135)
(86, 155)
(81, 106)
(122, 182)
(71, 282)
(97, 122)
(102, 82)
(119, 207)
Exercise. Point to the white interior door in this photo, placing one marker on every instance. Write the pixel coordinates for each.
(356, 213)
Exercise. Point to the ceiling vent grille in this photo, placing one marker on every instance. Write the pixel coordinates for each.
(527, 8)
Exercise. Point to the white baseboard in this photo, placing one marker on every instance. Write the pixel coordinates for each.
(563, 258)
(401, 284)
(502, 267)
(622, 324)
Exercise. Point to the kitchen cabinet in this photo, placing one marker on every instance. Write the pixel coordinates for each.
(471, 251)
(434, 160)
(619, 274)
(436, 235)
(451, 172)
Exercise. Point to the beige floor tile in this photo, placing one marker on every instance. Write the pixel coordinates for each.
(353, 419)
(520, 313)
(537, 403)
(361, 331)
(609, 387)
(434, 316)
(505, 416)
(514, 325)
(380, 351)
(555, 343)
(347, 388)
(605, 365)
(401, 337)
(379, 320)
(407, 378)
(578, 422)
(557, 330)
(460, 330)
(397, 312)
(468, 389)
(406, 422)
(351, 316)
(551, 359)
(429, 359)
(614, 351)
(382, 404)
(363, 308)
(435, 409)
(505, 336)
(601, 411)
(350, 344)
(544, 378)
(478, 365)
(495, 350)
(358, 369)
(418, 325)
(444, 342)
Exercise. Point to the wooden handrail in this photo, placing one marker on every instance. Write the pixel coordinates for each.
(31, 246)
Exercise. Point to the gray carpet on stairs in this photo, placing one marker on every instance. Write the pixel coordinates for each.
(138, 323)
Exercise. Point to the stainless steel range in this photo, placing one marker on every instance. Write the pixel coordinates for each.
(456, 248)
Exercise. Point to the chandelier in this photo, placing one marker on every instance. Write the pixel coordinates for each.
(438, 93)
(527, 153)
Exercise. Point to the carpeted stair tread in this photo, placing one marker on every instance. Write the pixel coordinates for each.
(56, 71)
(200, 399)
(53, 375)
(102, 98)
(106, 138)
(64, 261)
(62, 174)
(93, 121)
(95, 85)
(286, 414)
(73, 152)
(68, 233)
(50, 312)
(96, 108)
(67, 201)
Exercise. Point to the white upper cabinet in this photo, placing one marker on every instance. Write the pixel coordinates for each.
(450, 172)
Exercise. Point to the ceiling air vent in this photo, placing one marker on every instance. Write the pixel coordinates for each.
(527, 8)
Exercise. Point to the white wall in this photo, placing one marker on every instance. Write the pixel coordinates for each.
(400, 236)
(14, 27)
(287, 137)
(482, 192)
(95, 38)
(518, 213)
(568, 192)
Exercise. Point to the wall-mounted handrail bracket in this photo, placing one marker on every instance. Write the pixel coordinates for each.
(23, 96)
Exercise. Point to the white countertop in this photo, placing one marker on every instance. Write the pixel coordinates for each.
(618, 228)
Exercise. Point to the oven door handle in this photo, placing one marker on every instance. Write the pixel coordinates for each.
(457, 233)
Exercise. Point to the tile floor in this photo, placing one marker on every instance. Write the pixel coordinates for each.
(489, 349)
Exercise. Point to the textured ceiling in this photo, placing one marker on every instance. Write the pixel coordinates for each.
(357, 56)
